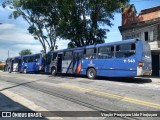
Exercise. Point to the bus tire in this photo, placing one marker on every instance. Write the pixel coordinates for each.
(91, 73)
(53, 71)
(25, 70)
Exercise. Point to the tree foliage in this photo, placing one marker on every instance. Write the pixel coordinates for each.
(40, 16)
(83, 22)
(25, 52)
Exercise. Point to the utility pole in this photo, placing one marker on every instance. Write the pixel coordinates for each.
(8, 53)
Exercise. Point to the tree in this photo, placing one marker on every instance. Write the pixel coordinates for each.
(40, 20)
(25, 52)
(83, 22)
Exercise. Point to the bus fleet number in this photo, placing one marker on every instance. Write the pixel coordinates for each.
(129, 60)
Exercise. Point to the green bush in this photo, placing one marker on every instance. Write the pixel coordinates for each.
(1, 67)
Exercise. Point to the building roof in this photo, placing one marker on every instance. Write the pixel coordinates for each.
(149, 10)
(139, 24)
(130, 7)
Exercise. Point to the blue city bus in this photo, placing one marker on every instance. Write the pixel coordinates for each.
(17, 64)
(13, 64)
(127, 58)
(32, 63)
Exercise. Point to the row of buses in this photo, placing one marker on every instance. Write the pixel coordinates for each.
(127, 58)
(25, 64)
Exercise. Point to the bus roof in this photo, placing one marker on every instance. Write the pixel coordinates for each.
(99, 45)
(17, 57)
(118, 42)
(31, 54)
(77, 48)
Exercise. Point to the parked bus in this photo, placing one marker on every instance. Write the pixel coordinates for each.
(32, 63)
(127, 58)
(17, 64)
(13, 64)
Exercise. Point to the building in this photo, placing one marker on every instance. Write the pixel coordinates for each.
(2, 64)
(145, 25)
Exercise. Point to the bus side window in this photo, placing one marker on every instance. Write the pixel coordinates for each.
(106, 52)
(75, 56)
(119, 53)
(48, 58)
(94, 54)
(79, 56)
(117, 48)
(16, 60)
(25, 59)
(30, 59)
(133, 46)
(36, 58)
(112, 48)
(90, 53)
(84, 51)
(54, 57)
(126, 50)
(68, 55)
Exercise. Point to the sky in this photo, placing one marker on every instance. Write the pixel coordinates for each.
(14, 36)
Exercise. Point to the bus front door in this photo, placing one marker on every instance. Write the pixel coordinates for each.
(59, 63)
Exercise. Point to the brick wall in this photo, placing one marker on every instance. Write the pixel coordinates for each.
(148, 16)
(129, 15)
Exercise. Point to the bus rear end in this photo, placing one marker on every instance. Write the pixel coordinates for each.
(17, 64)
(145, 64)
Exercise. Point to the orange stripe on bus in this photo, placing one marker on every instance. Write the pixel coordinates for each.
(79, 68)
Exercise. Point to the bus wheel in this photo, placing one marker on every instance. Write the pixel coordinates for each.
(91, 73)
(25, 70)
(53, 72)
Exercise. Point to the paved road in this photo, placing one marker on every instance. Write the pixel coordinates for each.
(72, 93)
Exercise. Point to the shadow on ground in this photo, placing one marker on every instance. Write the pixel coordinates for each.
(134, 80)
(7, 104)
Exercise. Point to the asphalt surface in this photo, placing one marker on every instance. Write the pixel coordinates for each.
(78, 93)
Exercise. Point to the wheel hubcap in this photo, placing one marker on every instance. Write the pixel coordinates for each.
(53, 71)
(91, 74)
